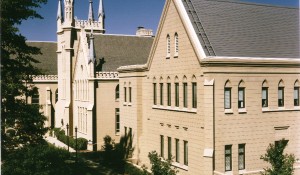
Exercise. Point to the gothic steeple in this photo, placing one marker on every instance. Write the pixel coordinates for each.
(101, 11)
(59, 11)
(91, 12)
(101, 15)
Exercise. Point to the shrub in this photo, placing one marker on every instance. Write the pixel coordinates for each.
(160, 166)
(133, 170)
(41, 159)
(81, 142)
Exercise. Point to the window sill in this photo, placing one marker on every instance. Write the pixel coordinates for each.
(228, 111)
(242, 110)
(176, 55)
(117, 100)
(125, 104)
(178, 165)
(168, 56)
(117, 133)
(129, 104)
(264, 110)
(228, 172)
(168, 108)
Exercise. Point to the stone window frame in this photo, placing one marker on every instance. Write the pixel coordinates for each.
(176, 45)
(168, 41)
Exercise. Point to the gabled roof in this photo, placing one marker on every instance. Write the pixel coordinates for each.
(113, 51)
(237, 29)
(48, 58)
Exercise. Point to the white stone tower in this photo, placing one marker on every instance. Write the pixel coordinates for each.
(73, 37)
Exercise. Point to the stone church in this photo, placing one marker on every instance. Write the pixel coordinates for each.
(80, 87)
(217, 84)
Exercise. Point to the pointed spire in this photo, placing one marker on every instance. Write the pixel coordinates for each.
(101, 10)
(92, 55)
(59, 11)
(91, 13)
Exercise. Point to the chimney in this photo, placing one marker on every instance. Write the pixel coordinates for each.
(141, 31)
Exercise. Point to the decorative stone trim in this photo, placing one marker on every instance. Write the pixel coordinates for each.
(107, 75)
(96, 25)
(44, 77)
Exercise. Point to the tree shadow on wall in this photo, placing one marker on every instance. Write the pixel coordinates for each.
(99, 64)
(116, 154)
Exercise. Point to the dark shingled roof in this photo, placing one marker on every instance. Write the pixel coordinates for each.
(48, 59)
(113, 51)
(238, 29)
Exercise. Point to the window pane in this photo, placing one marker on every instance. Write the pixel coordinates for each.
(162, 146)
(169, 148)
(296, 93)
(241, 157)
(194, 89)
(154, 94)
(161, 94)
(227, 100)
(129, 94)
(185, 144)
(281, 96)
(169, 94)
(125, 94)
(176, 94)
(227, 157)
(185, 95)
(177, 149)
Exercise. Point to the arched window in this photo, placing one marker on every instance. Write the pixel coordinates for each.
(168, 46)
(280, 94)
(185, 92)
(264, 94)
(56, 95)
(161, 91)
(117, 92)
(194, 92)
(169, 91)
(35, 97)
(176, 44)
(154, 92)
(176, 92)
(241, 95)
(296, 93)
(227, 95)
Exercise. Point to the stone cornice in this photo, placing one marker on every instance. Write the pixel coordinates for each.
(133, 68)
(249, 62)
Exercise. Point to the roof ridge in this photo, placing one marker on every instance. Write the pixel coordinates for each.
(41, 41)
(254, 3)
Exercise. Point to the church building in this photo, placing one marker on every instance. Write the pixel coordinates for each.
(80, 87)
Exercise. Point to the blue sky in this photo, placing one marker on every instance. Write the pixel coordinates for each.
(122, 16)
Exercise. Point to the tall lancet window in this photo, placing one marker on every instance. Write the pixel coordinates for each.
(176, 45)
(281, 94)
(296, 93)
(168, 46)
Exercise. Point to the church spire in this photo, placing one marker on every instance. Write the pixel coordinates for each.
(101, 11)
(91, 13)
(92, 55)
(59, 11)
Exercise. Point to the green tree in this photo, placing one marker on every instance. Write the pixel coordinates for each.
(281, 164)
(159, 166)
(21, 124)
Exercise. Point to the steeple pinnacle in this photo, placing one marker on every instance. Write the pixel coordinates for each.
(59, 11)
(91, 13)
(101, 11)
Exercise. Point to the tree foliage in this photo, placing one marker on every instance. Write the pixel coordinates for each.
(21, 124)
(159, 166)
(281, 164)
(37, 160)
